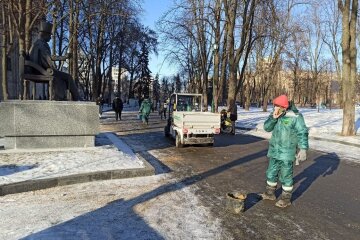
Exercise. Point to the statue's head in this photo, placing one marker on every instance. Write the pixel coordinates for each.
(45, 30)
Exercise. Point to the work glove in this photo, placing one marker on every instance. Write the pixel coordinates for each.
(301, 156)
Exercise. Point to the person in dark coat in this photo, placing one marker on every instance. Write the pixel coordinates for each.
(117, 106)
(100, 101)
(162, 109)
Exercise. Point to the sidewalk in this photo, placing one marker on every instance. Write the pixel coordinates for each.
(29, 170)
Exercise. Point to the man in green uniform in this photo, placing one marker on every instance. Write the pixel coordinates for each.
(145, 109)
(289, 132)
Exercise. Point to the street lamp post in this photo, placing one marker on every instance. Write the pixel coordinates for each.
(215, 48)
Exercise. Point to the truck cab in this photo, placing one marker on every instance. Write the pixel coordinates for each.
(187, 123)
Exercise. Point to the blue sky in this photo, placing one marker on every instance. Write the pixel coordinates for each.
(153, 9)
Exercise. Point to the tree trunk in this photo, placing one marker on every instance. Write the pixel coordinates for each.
(54, 23)
(119, 66)
(216, 56)
(71, 34)
(75, 44)
(99, 53)
(61, 34)
(223, 79)
(4, 54)
(349, 52)
(265, 103)
(247, 95)
(28, 19)
(4, 87)
(230, 10)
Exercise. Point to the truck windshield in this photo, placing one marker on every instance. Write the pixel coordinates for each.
(188, 103)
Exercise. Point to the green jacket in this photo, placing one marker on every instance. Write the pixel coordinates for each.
(145, 107)
(288, 132)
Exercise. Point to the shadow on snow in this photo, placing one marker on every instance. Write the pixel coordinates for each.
(118, 219)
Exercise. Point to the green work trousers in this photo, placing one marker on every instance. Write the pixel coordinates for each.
(280, 170)
(145, 118)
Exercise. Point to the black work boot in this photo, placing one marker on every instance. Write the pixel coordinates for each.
(285, 199)
(269, 194)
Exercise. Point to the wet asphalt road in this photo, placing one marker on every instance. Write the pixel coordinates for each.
(326, 198)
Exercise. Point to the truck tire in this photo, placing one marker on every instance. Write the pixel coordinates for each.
(178, 143)
(226, 129)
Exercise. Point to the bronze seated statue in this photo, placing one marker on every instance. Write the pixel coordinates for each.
(41, 68)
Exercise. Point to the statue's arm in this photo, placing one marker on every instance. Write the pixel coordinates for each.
(60, 58)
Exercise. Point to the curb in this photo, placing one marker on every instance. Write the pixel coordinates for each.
(311, 137)
(335, 141)
(33, 185)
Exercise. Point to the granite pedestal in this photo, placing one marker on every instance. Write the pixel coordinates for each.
(48, 124)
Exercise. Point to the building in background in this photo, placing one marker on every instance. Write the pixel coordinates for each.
(121, 85)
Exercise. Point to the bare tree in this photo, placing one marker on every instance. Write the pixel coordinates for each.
(296, 58)
(241, 52)
(331, 26)
(315, 50)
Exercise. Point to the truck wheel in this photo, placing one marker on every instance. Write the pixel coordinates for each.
(226, 129)
(178, 141)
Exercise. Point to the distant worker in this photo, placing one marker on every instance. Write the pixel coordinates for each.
(233, 118)
(100, 102)
(163, 109)
(117, 106)
(288, 132)
(145, 110)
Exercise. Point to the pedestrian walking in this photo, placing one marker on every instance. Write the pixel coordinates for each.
(233, 119)
(145, 110)
(289, 132)
(100, 102)
(117, 106)
(163, 109)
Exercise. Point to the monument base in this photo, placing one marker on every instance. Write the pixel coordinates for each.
(48, 124)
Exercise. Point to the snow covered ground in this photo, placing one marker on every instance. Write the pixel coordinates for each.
(156, 207)
(22, 165)
(325, 125)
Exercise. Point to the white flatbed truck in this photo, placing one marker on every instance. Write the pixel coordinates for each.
(187, 123)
